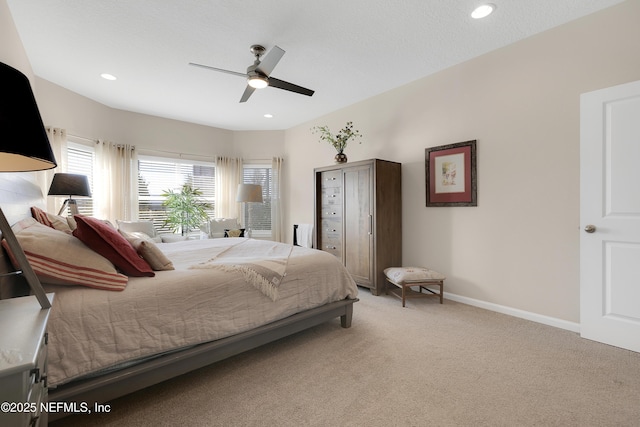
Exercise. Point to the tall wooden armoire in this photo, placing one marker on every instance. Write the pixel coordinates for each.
(358, 217)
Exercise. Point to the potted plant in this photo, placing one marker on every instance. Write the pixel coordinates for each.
(185, 209)
(338, 141)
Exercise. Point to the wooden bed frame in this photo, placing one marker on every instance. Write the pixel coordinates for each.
(18, 193)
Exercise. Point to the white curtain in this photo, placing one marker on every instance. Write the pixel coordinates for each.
(228, 176)
(277, 231)
(115, 193)
(58, 142)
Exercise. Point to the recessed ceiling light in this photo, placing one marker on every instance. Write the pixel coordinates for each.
(107, 76)
(268, 116)
(483, 11)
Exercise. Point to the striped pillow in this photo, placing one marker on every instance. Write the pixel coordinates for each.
(50, 220)
(58, 258)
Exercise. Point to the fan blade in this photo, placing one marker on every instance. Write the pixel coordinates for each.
(281, 84)
(218, 69)
(270, 61)
(247, 93)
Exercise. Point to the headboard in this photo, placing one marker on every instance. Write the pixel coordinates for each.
(18, 192)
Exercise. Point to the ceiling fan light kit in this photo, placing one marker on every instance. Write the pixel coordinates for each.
(258, 82)
(258, 74)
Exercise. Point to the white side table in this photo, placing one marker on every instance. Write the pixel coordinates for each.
(23, 361)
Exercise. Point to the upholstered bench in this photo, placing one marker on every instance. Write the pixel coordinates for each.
(406, 277)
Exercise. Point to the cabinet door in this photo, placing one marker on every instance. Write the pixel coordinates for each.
(358, 224)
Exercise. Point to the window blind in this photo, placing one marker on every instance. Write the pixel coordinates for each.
(260, 213)
(156, 176)
(80, 161)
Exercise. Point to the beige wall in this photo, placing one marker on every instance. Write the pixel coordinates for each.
(258, 145)
(519, 247)
(11, 51)
(85, 118)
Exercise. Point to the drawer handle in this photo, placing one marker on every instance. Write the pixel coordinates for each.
(36, 372)
(328, 229)
(331, 213)
(333, 195)
(331, 247)
(44, 380)
(331, 179)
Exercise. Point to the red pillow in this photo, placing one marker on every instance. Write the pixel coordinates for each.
(106, 241)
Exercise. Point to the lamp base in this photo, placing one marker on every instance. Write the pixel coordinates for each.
(73, 206)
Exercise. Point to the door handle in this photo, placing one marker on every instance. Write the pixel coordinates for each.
(590, 228)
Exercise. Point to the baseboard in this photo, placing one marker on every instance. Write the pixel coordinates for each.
(534, 317)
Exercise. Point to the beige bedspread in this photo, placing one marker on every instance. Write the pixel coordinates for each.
(90, 330)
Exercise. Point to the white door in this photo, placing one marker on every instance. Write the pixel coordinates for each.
(610, 216)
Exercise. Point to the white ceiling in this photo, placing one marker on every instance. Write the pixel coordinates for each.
(345, 50)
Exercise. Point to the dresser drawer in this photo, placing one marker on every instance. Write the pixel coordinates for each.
(331, 212)
(332, 196)
(331, 179)
(333, 246)
(330, 243)
(331, 228)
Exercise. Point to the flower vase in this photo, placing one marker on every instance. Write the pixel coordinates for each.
(341, 157)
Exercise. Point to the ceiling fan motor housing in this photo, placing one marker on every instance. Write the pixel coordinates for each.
(257, 50)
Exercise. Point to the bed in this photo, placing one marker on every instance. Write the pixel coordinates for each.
(220, 299)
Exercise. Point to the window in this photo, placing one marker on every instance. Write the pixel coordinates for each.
(156, 175)
(260, 213)
(80, 161)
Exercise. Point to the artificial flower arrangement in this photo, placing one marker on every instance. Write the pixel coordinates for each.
(338, 141)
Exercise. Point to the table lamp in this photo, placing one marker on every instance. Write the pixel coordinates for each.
(69, 184)
(249, 193)
(24, 147)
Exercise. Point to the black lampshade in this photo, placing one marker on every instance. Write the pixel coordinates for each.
(69, 184)
(24, 145)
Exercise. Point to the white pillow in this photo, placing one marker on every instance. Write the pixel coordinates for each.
(218, 225)
(172, 238)
(148, 250)
(142, 226)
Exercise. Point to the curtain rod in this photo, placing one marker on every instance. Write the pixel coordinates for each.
(148, 150)
(83, 138)
(97, 141)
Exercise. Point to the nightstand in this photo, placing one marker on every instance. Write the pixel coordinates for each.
(23, 361)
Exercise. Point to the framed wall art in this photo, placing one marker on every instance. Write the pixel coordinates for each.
(451, 176)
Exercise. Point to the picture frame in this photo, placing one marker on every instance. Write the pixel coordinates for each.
(451, 175)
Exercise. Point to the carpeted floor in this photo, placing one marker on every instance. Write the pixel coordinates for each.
(424, 365)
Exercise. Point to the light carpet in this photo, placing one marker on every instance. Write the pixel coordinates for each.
(423, 365)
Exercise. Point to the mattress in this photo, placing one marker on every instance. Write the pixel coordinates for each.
(92, 330)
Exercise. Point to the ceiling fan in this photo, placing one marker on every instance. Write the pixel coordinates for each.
(258, 75)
